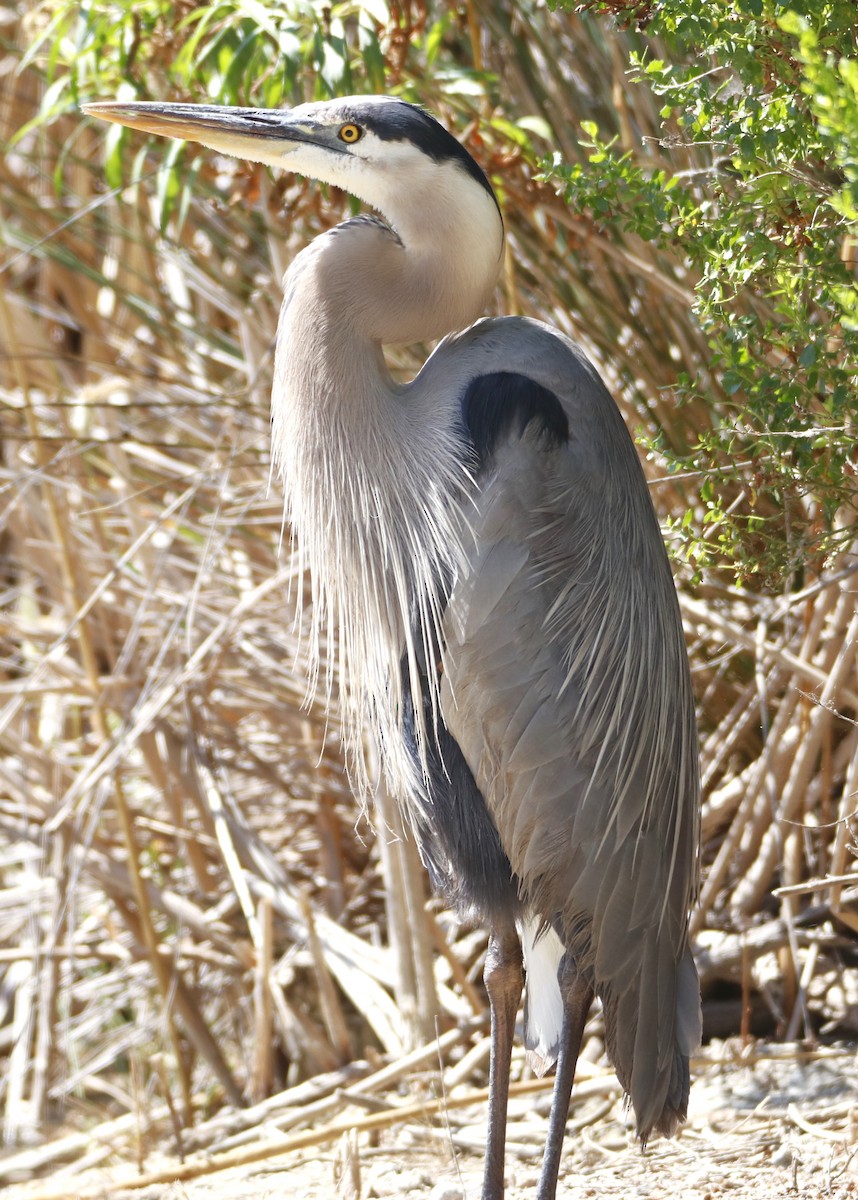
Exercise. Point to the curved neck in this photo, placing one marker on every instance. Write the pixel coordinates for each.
(336, 412)
(449, 256)
(415, 279)
(373, 471)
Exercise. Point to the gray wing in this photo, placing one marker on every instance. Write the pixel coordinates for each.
(566, 686)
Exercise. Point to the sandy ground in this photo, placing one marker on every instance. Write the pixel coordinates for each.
(780, 1126)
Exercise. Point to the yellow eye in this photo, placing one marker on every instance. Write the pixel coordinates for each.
(350, 133)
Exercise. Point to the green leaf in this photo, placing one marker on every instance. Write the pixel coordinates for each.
(538, 126)
(115, 142)
(373, 58)
(435, 37)
(169, 182)
(808, 355)
(512, 132)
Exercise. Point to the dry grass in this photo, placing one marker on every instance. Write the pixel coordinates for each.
(192, 910)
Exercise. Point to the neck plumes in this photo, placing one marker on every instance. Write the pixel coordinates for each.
(374, 472)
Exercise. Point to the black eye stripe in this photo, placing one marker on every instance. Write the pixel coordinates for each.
(397, 121)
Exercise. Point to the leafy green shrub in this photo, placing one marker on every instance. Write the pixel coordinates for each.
(760, 101)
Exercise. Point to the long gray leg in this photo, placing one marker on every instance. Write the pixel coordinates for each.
(504, 980)
(577, 998)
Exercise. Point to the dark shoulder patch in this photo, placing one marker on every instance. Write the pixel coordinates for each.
(503, 403)
(402, 122)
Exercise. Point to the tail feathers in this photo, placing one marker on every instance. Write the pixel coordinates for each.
(652, 1026)
(652, 1023)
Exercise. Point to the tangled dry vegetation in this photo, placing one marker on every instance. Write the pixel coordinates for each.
(192, 911)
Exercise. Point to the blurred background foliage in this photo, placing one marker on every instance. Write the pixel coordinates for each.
(188, 897)
(751, 183)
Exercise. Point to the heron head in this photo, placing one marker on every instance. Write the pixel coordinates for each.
(387, 152)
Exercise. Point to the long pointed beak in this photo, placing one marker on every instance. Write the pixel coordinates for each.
(258, 134)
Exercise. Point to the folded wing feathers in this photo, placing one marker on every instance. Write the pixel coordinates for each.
(584, 747)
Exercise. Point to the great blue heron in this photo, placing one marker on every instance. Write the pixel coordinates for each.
(482, 543)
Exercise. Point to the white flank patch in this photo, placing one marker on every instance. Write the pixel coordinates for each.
(543, 1006)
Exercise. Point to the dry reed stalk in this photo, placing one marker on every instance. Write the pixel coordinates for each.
(405, 898)
(263, 1064)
